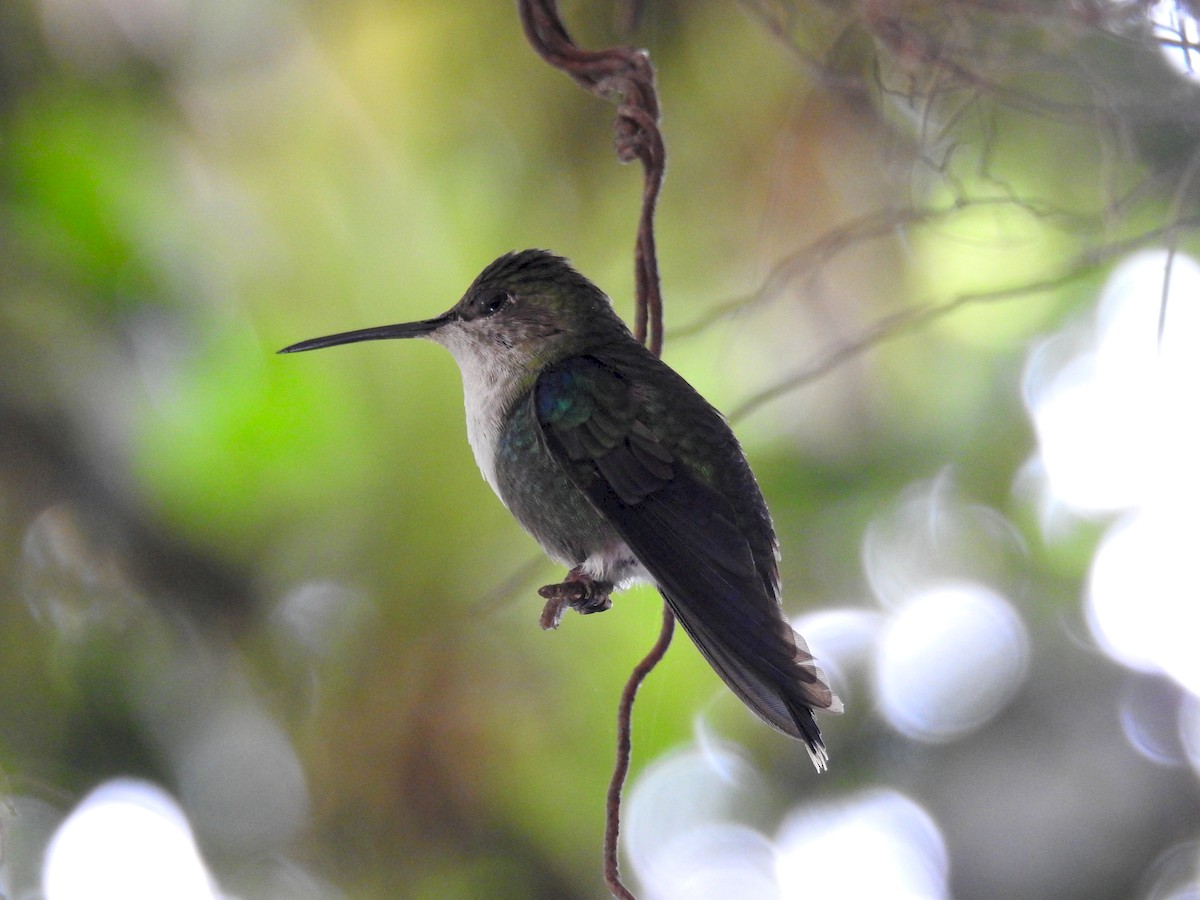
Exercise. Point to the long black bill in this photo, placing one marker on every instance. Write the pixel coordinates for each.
(379, 333)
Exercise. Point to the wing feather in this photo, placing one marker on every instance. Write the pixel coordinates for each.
(688, 534)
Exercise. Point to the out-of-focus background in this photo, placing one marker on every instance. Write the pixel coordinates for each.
(264, 631)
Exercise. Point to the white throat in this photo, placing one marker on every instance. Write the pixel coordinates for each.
(489, 387)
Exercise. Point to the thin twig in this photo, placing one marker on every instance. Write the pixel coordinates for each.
(913, 317)
(809, 261)
(624, 77)
(890, 327)
(612, 824)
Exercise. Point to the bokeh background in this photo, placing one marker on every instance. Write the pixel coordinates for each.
(264, 631)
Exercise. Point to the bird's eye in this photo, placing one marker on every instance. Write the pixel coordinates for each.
(492, 303)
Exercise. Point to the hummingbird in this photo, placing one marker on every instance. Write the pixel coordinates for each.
(622, 472)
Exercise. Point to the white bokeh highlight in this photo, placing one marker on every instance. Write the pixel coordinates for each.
(1114, 405)
(877, 843)
(716, 862)
(1178, 34)
(949, 661)
(1149, 712)
(933, 534)
(950, 649)
(682, 825)
(1143, 605)
(127, 840)
(693, 833)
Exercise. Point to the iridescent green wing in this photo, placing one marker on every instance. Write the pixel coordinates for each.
(599, 420)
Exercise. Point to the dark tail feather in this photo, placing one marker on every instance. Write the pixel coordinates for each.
(782, 684)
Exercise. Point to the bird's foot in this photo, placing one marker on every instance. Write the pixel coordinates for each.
(580, 592)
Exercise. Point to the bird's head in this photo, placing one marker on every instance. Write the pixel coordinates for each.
(524, 311)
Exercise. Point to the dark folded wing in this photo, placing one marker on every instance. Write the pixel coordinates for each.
(685, 532)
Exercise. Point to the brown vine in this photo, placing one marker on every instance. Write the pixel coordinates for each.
(624, 77)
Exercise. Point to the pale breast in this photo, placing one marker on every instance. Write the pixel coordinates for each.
(489, 390)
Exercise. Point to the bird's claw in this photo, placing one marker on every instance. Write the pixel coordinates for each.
(577, 591)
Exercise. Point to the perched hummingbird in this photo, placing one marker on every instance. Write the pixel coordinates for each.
(623, 472)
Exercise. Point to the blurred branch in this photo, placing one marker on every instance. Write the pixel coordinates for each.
(505, 590)
(809, 259)
(910, 319)
(627, 15)
(887, 328)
